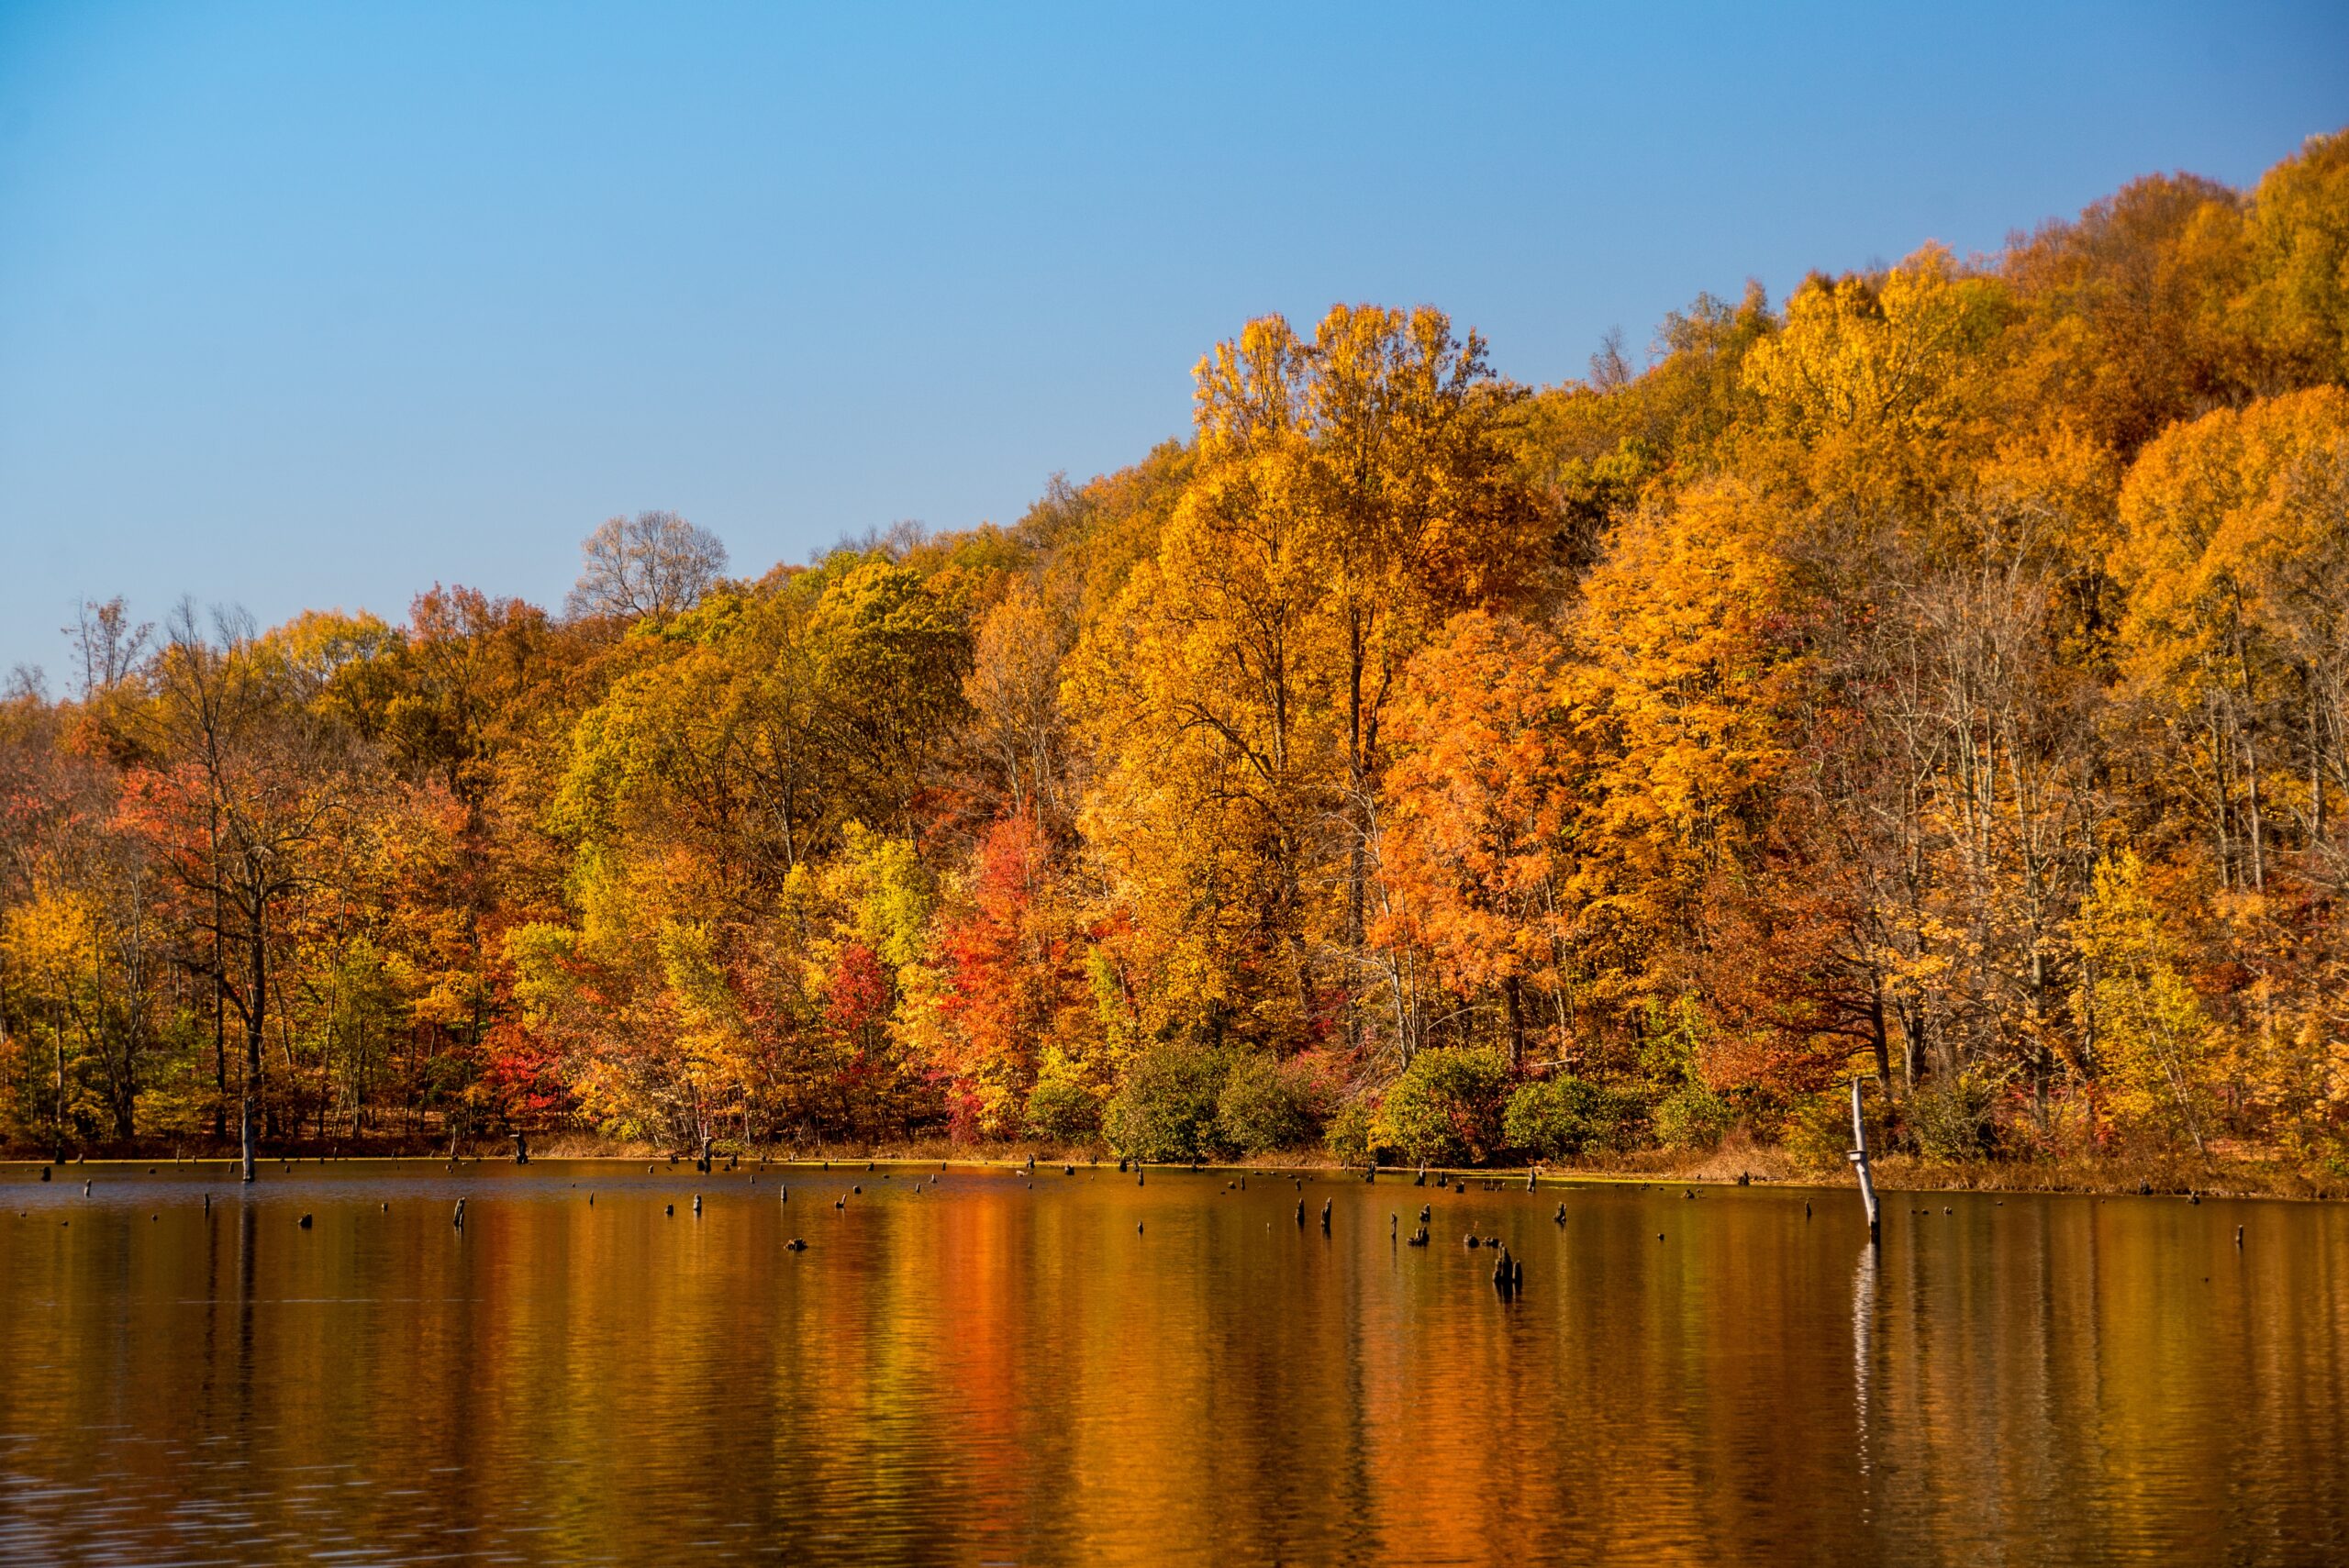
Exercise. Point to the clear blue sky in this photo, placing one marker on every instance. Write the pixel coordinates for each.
(315, 304)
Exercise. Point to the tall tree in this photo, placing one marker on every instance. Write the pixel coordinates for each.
(251, 784)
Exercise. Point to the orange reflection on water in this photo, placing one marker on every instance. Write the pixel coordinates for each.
(982, 1370)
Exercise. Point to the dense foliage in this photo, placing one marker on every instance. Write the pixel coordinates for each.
(1944, 678)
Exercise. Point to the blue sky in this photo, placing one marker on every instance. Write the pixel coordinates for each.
(316, 305)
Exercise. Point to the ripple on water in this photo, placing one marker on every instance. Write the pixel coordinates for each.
(995, 1372)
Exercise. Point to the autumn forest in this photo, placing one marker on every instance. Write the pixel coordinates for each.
(1939, 677)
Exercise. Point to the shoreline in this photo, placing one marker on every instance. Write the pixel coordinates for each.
(2110, 1177)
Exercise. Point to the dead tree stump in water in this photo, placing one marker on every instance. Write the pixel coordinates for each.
(1859, 1158)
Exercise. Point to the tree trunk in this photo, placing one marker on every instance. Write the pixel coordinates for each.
(256, 1011)
(2258, 834)
(2250, 755)
(2316, 767)
(1513, 990)
(57, 1045)
(126, 1085)
(2219, 765)
(1881, 1040)
(219, 1005)
(1913, 1054)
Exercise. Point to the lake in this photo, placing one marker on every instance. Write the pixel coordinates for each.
(967, 1368)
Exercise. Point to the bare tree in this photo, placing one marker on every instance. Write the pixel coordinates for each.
(264, 778)
(108, 645)
(1610, 371)
(654, 563)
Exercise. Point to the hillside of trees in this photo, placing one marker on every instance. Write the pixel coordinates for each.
(1942, 678)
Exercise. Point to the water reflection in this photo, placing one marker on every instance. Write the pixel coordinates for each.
(985, 1371)
(1862, 1343)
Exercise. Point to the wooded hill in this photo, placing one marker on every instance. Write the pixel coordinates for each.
(1941, 678)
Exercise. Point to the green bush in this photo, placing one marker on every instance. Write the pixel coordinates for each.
(1267, 1104)
(1555, 1118)
(1692, 1116)
(1165, 1109)
(1062, 1111)
(1954, 1117)
(1353, 1131)
(1446, 1108)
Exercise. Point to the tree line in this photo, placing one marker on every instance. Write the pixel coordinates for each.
(1941, 677)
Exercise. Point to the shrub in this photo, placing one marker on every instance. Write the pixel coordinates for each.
(1446, 1107)
(1817, 1134)
(1165, 1109)
(1267, 1104)
(1952, 1117)
(1554, 1118)
(1352, 1132)
(1692, 1116)
(1062, 1111)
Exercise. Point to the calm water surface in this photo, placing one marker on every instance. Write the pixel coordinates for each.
(980, 1371)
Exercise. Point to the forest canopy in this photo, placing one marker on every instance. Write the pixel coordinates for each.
(1940, 676)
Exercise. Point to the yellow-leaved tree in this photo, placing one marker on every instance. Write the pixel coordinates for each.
(2234, 529)
(1348, 494)
(2155, 1048)
(1872, 379)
